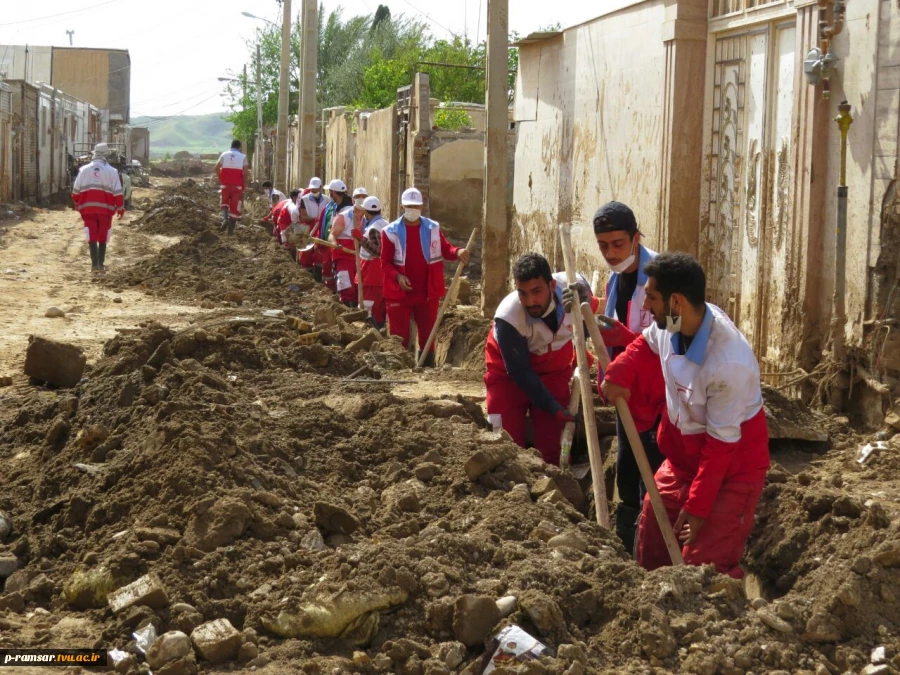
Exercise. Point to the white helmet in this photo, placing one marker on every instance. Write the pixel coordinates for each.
(337, 185)
(360, 192)
(372, 204)
(411, 197)
(315, 184)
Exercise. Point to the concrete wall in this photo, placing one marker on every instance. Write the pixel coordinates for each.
(140, 145)
(340, 147)
(589, 122)
(101, 77)
(5, 143)
(457, 182)
(376, 160)
(21, 62)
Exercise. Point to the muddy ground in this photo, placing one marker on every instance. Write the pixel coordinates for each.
(367, 526)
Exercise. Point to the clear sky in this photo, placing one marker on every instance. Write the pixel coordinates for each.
(179, 47)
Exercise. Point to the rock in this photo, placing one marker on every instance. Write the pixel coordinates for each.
(185, 666)
(759, 603)
(89, 588)
(236, 297)
(862, 564)
(217, 641)
(325, 315)
(162, 354)
(117, 301)
(474, 618)
(888, 555)
(486, 460)
(543, 612)
(200, 335)
(356, 315)
(554, 497)
(773, 622)
(313, 541)
(507, 605)
(844, 506)
(785, 610)
(54, 313)
(436, 584)
(403, 497)
(12, 602)
(8, 565)
(427, 471)
(247, 652)
(364, 343)
(820, 628)
(330, 617)
(464, 294)
(879, 655)
(656, 637)
(19, 580)
(571, 490)
(335, 519)
(6, 526)
(542, 486)
(6, 381)
(569, 539)
(147, 591)
(877, 669)
(849, 593)
(168, 647)
(226, 520)
(53, 362)
(892, 419)
(452, 654)
(161, 535)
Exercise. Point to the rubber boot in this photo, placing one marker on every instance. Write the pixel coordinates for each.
(101, 257)
(626, 526)
(224, 217)
(230, 225)
(95, 256)
(317, 273)
(429, 360)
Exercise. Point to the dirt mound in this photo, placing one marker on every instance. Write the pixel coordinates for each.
(181, 168)
(235, 473)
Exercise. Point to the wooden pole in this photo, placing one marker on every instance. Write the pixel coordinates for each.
(327, 243)
(450, 293)
(359, 284)
(640, 456)
(587, 396)
(568, 433)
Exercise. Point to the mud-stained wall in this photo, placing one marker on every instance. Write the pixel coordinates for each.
(589, 119)
(457, 182)
(340, 148)
(376, 160)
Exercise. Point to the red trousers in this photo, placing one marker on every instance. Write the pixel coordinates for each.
(424, 313)
(510, 404)
(96, 228)
(345, 279)
(723, 535)
(231, 197)
(375, 295)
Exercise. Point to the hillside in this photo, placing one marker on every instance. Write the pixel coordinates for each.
(195, 133)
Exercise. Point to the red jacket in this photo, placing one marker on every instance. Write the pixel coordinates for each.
(393, 257)
(98, 190)
(277, 216)
(648, 392)
(342, 235)
(699, 459)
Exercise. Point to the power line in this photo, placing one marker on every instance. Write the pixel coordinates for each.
(163, 119)
(430, 19)
(58, 14)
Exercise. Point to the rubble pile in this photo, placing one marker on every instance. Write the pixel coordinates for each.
(225, 495)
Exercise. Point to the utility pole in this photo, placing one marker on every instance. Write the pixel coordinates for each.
(495, 250)
(281, 133)
(257, 147)
(306, 154)
(71, 34)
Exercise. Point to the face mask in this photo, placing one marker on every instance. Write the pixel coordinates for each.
(673, 323)
(412, 215)
(316, 194)
(269, 191)
(625, 264)
(358, 202)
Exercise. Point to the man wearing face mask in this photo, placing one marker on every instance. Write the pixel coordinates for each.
(413, 251)
(274, 195)
(714, 432)
(370, 254)
(323, 269)
(619, 240)
(529, 357)
(311, 203)
(344, 225)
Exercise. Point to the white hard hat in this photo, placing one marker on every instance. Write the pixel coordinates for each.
(411, 197)
(360, 192)
(337, 185)
(101, 149)
(372, 204)
(315, 183)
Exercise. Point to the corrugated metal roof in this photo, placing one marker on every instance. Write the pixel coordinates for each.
(540, 36)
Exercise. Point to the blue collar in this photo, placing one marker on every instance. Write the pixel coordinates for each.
(425, 226)
(697, 349)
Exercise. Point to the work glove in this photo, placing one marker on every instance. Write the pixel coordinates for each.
(572, 294)
(614, 332)
(563, 415)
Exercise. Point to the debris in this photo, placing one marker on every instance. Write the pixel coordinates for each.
(8, 565)
(168, 647)
(217, 641)
(486, 460)
(330, 618)
(144, 638)
(335, 519)
(474, 617)
(864, 454)
(147, 591)
(54, 313)
(6, 526)
(273, 313)
(568, 539)
(53, 362)
(89, 588)
(512, 644)
(507, 605)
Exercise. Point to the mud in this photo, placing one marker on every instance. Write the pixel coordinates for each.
(341, 527)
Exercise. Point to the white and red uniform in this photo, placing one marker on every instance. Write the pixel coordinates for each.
(372, 274)
(97, 194)
(550, 356)
(417, 251)
(231, 180)
(713, 434)
(342, 226)
(313, 208)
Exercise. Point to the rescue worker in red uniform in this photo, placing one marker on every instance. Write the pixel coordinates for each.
(345, 228)
(530, 358)
(619, 240)
(287, 218)
(97, 194)
(370, 254)
(232, 170)
(323, 269)
(413, 250)
(713, 435)
(312, 203)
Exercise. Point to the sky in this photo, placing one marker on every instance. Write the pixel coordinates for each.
(180, 47)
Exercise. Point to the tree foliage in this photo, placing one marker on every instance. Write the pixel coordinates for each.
(362, 61)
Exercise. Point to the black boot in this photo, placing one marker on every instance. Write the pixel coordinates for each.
(429, 361)
(626, 525)
(95, 256)
(317, 273)
(224, 217)
(101, 257)
(230, 225)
